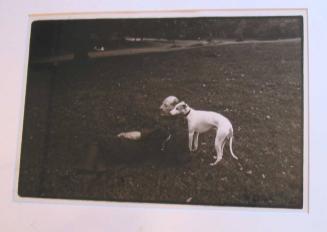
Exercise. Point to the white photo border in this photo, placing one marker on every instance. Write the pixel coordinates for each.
(185, 14)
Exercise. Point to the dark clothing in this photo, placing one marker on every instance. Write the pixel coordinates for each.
(166, 143)
(176, 148)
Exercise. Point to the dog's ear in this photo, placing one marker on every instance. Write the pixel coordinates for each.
(183, 105)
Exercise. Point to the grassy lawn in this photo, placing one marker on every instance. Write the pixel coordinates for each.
(257, 86)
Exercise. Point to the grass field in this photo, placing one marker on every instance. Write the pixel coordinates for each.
(257, 86)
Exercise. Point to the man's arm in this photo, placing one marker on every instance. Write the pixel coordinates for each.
(131, 135)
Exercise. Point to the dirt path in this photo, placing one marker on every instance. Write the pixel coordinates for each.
(161, 47)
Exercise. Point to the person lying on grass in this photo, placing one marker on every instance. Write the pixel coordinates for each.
(165, 143)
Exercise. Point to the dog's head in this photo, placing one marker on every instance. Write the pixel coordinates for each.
(180, 108)
(167, 105)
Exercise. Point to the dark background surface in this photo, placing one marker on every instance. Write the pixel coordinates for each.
(257, 85)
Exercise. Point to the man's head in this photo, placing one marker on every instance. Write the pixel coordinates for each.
(167, 105)
(180, 108)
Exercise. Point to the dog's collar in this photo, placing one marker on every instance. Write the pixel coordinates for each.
(187, 113)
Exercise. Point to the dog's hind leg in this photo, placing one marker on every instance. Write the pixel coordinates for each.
(219, 146)
(222, 148)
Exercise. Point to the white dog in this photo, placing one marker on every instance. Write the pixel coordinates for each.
(201, 122)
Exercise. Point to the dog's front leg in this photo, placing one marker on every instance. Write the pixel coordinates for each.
(190, 140)
(196, 140)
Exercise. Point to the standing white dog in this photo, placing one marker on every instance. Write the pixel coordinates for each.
(201, 122)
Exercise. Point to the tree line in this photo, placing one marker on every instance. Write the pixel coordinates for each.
(52, 37)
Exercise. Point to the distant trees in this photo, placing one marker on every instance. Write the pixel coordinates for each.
(79, 36)
(272, 28)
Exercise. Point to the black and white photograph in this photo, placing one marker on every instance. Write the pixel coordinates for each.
(184, 110)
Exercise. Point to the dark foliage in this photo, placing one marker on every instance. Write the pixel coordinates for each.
(79, 36)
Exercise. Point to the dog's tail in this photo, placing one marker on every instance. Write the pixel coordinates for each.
(230, 147)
